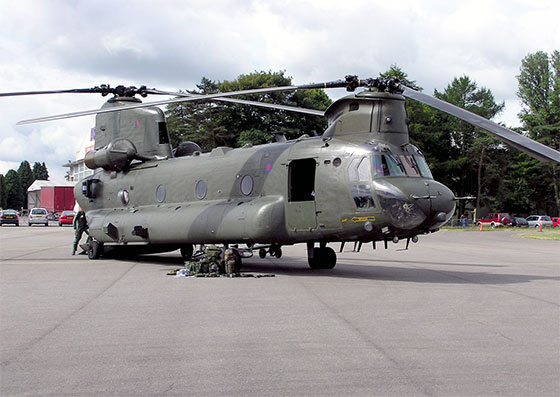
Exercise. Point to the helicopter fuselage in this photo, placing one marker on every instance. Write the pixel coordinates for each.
(306, 190)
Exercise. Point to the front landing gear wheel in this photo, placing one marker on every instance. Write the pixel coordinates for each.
(323, 258)
(187, 251)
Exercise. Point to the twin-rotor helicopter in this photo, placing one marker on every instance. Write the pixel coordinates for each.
(362, 180)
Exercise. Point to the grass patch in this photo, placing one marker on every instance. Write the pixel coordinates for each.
(477, 229)
(544, 235)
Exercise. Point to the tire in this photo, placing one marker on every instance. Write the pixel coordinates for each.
(262, 253)
(59, 224)
(94, 249)
(493, 225)
(187, 251)
(324, 258)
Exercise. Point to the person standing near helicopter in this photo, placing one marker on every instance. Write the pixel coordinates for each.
(80, 226)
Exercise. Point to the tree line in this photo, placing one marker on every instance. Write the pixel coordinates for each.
(14, 185)
(466, 159)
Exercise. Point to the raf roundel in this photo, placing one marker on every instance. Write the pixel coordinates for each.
(268, 167)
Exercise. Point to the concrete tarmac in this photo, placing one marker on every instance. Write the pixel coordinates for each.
(459, 313)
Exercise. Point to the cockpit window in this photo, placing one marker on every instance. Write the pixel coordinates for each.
(423, 166)
(364, 170)
(359, 172)
(410, 166)
(387, 165)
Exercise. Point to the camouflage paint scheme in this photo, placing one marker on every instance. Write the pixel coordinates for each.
(154, 203)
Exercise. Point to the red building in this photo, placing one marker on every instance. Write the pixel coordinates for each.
(55, 197)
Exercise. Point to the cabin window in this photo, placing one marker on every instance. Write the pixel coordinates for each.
(201, 189)
(123, 196)
(247, 185)
(160, 193)
(301, 180)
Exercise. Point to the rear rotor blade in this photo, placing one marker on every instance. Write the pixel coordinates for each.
(157, 103)
(268, 105)
(526, 145)
(72, 91)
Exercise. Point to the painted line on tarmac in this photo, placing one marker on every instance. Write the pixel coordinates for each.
(33, 252)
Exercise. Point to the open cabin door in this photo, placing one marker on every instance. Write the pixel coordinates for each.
(301, 208)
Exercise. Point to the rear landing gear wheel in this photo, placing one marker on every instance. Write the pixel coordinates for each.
(262, 253)
(94, 249)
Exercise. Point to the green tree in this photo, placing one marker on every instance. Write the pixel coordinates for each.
(219, 123)
(13, 190)
(539, 92)
(470, 146)
(40, 172)
(3, 192)
(26, 179)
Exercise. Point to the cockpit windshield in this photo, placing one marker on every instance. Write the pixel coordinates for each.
(388, 164)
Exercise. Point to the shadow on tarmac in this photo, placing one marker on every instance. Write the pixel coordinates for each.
(404, 271)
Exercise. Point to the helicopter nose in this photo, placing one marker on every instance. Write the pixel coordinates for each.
(414, 203)
(401, 210)
(442, 204)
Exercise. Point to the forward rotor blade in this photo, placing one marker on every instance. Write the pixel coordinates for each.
(157, 103)
(526, 145)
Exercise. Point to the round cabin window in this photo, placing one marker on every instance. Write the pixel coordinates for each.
(247, 185)
(123, 196)
(160, 193)
(200, 190)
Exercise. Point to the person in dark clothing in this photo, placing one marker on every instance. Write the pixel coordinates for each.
(80, 226)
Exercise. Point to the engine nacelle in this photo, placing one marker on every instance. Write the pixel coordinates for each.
(116, 156)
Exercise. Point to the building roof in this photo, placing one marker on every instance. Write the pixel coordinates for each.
(38, 185)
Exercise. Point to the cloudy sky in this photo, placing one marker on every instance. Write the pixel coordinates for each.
(171, 45)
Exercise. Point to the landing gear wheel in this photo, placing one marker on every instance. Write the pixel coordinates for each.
(187, 251)
(323, 258)
(262, 253)
(275, 251)
(94, 249)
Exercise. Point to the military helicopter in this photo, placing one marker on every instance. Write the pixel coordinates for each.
(362, 180)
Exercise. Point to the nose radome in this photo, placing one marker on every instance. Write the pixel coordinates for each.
(442, 201)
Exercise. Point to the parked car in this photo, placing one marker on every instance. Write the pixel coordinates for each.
(66, 218)
(38, 216)
(9, 217)
(535, 220)
(555, 222)
(495, 219)
(519, 222)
